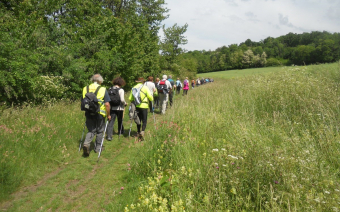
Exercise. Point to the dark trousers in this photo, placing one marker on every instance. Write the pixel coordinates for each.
(171, 95)
(119, 115)
(96, 126)
(178, 90)
(185, 92)
(143, 117)
(156, 101)
(151, 106)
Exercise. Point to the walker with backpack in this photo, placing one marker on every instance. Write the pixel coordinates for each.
(162, 87)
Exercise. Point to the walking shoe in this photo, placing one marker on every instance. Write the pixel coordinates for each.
(109, 138)
(98, 150)
(86, 151)
(141, 136)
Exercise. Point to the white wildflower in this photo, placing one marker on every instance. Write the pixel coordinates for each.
(234, 157)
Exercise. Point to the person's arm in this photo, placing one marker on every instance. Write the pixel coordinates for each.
(154, 87)
(122, 99)
(148, 94)
(107, 105)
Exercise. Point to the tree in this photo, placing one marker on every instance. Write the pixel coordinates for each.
(263, 59)
(172, 42)
(236, 59)
(247, 58)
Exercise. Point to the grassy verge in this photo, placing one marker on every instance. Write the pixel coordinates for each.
(35, 141)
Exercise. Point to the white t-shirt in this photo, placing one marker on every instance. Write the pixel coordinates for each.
(151, 86)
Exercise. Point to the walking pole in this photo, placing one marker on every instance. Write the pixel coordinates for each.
(82, 135)
(101, 145)
(121, 126)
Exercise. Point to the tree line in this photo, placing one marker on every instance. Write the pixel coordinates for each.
(298, 49)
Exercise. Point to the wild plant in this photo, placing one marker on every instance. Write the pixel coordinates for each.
(262, 143)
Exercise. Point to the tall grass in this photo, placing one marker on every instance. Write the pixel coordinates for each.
(240, 73)
(261, 143)
(35, 141)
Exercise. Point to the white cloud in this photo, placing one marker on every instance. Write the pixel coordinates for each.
(216, 23)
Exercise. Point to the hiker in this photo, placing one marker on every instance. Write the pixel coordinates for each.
(198, 82)
(142, 108)
(117, 105)
(152, 89)
(164, 87)
(193, 84)
(95, 121)
(178, 86)
(173, 87)
(185, 86)
(156, 97)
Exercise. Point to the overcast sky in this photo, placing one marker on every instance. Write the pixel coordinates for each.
(215, 23)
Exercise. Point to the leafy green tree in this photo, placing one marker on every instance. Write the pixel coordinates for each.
(263, 59)
(173, 40)
(302, 54)
(236, 59)
(247, 58)
(74, 40)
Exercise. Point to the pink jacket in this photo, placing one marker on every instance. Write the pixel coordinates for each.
(186, 86)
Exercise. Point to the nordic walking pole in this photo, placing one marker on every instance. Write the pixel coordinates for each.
(82, 135)
(121, 126)
(101, 145)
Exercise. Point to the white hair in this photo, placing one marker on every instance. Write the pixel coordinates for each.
(164, 77)
(97, 78)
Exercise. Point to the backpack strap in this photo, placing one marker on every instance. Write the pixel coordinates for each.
(87, 89)
(96, 92)
(144, 97)
(142, 100)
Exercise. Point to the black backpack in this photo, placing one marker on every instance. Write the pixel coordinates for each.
(90, 102)
(162, 88)
(114, 96)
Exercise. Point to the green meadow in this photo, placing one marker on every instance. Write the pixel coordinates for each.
(241, 73)
(253, 140)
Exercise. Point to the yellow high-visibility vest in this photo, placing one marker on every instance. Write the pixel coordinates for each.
(100, 96)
